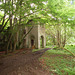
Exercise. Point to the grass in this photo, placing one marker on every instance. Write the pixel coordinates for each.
(71, 48)
(34, 50)
(59, 62)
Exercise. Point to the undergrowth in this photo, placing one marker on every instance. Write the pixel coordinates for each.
(59, 61)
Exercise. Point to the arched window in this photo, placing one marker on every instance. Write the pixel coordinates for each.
(42, 42)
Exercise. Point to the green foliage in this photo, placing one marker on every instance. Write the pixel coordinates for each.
(34, 50)
(59, 62)
(70, 71)
(56, 13)
(61, 8)
(1, 14)
(56, 50)
(71, 48)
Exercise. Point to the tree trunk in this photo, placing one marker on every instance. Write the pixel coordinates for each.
(59, 44)
(15, 42)
(11, 32)
(64, 40)
(16, 35)
(54, 42)
(58, 39)
(11, 27)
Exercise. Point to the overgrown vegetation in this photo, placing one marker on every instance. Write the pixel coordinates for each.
(58, 16)
(59, 62)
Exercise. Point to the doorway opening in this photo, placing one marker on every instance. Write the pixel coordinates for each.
(42, 42)
(32, 42)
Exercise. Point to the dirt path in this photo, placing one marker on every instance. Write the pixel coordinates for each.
(23, 64)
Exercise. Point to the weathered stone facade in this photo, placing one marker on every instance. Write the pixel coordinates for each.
(36, 38)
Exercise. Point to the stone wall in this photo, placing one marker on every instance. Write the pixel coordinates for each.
(35, 35)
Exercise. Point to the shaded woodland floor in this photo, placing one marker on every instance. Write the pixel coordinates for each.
(23, 63)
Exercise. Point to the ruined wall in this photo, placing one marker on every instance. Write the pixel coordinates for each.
(41, 32)
(35, 35)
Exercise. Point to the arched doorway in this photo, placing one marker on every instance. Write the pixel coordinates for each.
(42, 42)
(32, 42)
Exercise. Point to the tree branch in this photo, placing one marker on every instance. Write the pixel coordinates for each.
(4, 26)
(25, 35)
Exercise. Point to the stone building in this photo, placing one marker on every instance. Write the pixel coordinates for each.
(36, 38)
